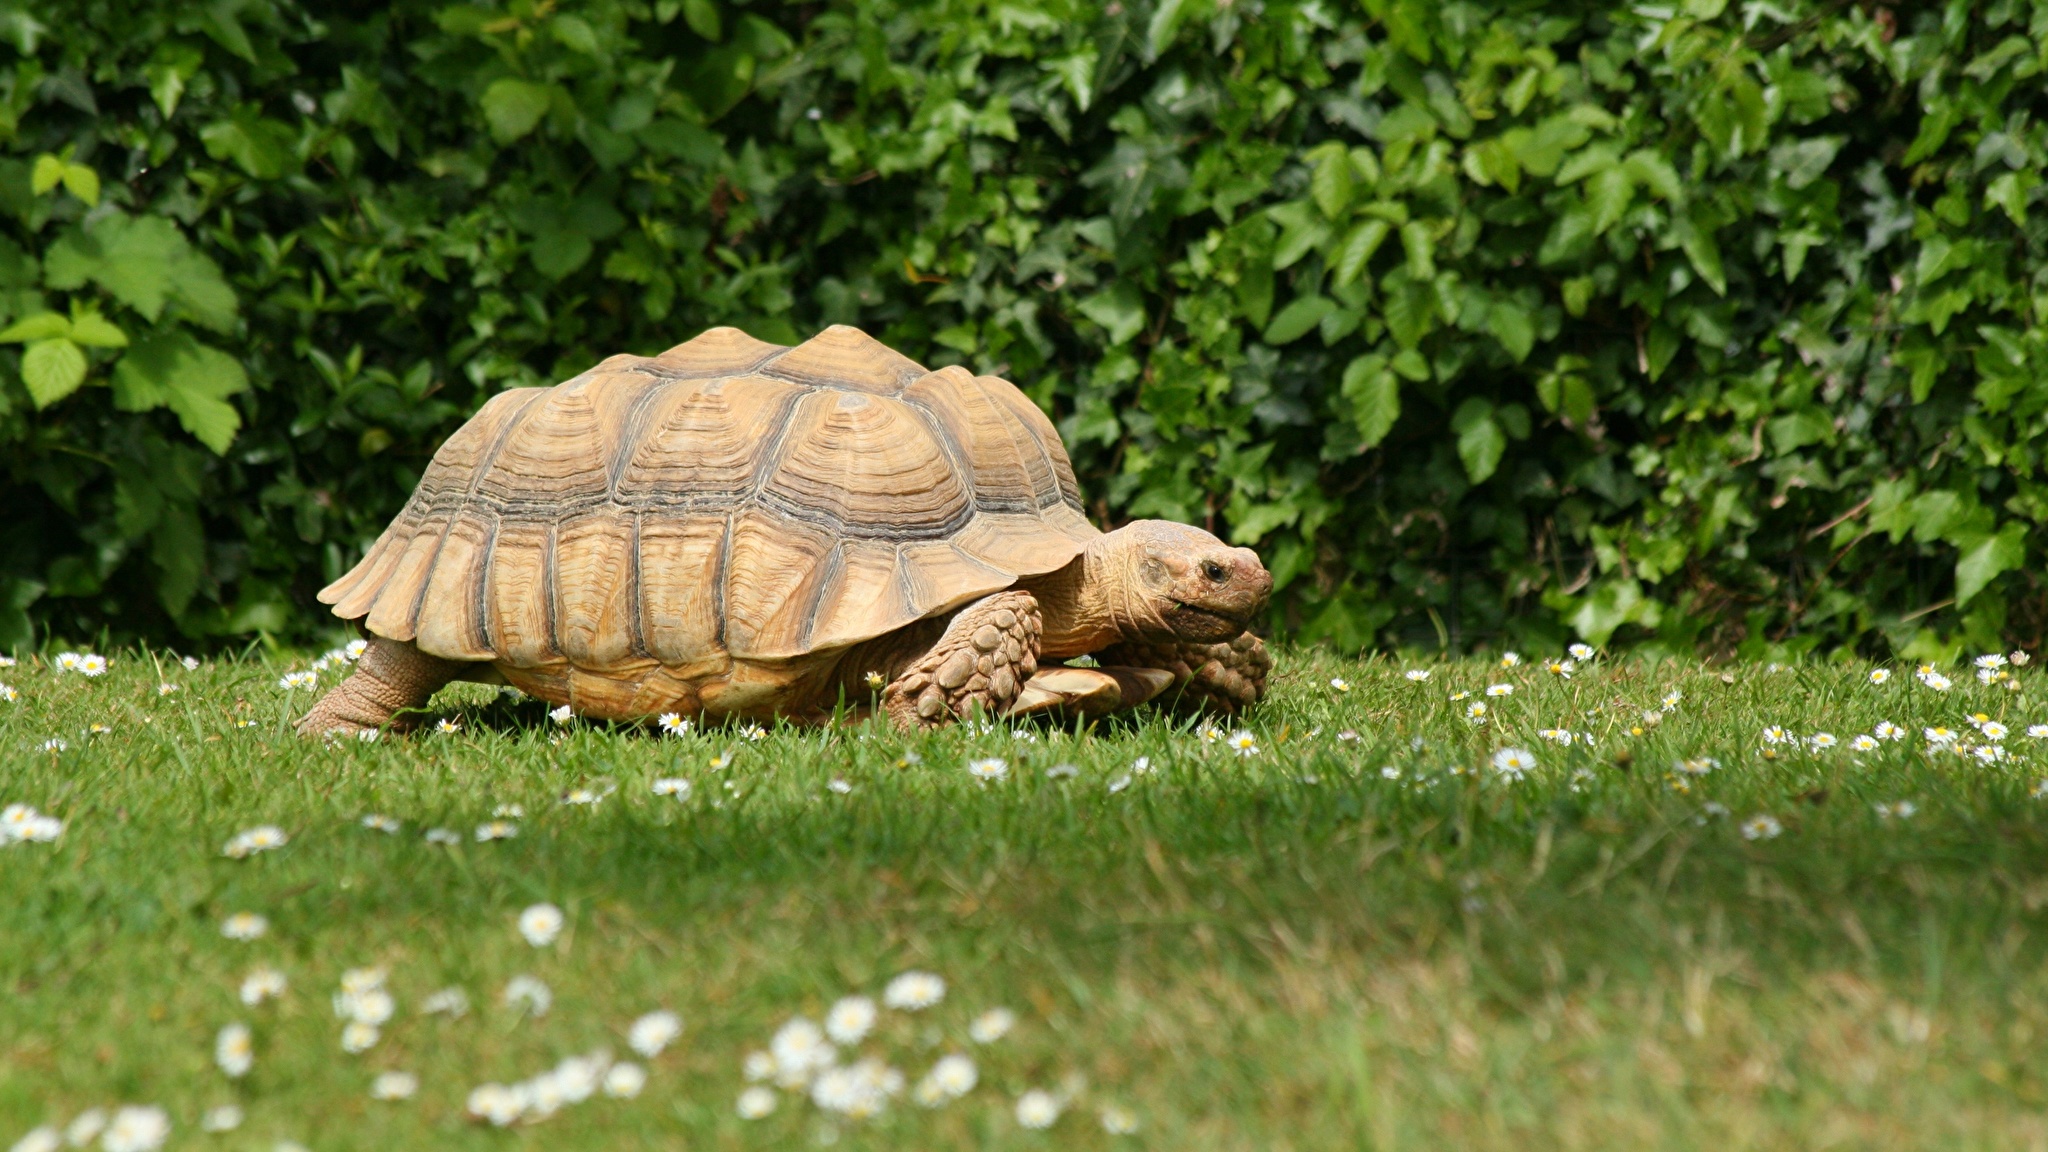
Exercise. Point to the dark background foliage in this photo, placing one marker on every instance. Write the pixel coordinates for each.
(1696, 325)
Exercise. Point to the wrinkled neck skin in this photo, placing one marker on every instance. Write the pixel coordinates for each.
(1087, 605)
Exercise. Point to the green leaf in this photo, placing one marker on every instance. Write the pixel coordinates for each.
(1577, 293)
(1983, 563)
(513, 108)
(1512, 325)
(41, 326)
(145, 263)
(259, 146)
(1159, 34)
(1704, 252)
(82, 182)
(1295, 320)
(702, 17)
(1375, 395)
(1480, 438)
(48, 173)
(1118, 308)
(1357, 250)
(1651, 170)
(193, 380)
(1607, 197)
(94, 331)
(2011, 191)
(1421, 249)
(52, 369)
(1332, 184)
(574, 33)
(1801, 162)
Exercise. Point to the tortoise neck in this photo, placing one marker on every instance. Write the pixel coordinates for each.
(1074, 604)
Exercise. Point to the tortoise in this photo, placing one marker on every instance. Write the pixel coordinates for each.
(738, 528)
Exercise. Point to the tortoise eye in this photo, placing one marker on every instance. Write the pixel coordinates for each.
(1213, 570)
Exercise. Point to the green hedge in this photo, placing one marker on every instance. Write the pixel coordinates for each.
(1695, 325)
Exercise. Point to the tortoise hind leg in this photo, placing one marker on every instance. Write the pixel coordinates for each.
(986, 654)
(389, 677)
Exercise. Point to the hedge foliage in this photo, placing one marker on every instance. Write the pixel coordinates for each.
(1691, 324)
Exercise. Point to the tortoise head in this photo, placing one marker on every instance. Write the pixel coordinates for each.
(1176, 582)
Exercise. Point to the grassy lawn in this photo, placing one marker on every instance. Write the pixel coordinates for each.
(1361, 935)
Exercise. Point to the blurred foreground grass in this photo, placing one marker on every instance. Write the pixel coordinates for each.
(1363, 935)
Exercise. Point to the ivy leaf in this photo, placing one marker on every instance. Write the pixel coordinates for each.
(1118, 308)
(1375, 395)
(258, 145)
(174, 370)
(1983, 563)
(1703, 251)
(52, 369)
(513, 108)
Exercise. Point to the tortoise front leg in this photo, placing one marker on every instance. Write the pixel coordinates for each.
(986, 654)
(1226, 677)
(389, 676)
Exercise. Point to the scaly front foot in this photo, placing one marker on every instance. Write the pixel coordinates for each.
(987, 653)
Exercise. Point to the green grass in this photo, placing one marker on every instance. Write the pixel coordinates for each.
(1288, 950)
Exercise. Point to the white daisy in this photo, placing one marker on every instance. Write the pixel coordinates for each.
(442, 836)
(1886, 730)
(8, 693)
(1992, 730)
(369, 735)
(1500, 689)
(372, 1006)
(1119, 784)
(623, 1081)
(448, 727)
(234, 1049)
(394, 1086)
(1989, 753)
(1510, 659)
(990, 768)
(540, 924)
(1863, 743)
(755, 1103)
(653, 1032)
(562, 715)
(752, 732)
(913, 991)
(377, 822)
(358, 1037)
(1776, 735)
(1761, 827)
(220, 1118)
(449, 1001)
(1476, 711)
(262, 984)
(55, 744)
(849, 1020)
(1118, 1120)
(6, 661)
(757, 1066)
(874, 681)
(496, 830)
(1244, 743)
(1821, 740)
(582, 796)
(1697, 766)
(496, 1104)
(1992, 661)
(1936, 681)
(264, 838)
(1211, 733)
(529, 995)
(191, 663)
(674, 786)
(673, 724)
(354, 649)
(1939, 734)
(2019, 658)
(839, 785)
(1062, 772)
(952, 1077)
(1896, 810)
(292, 681)
(68, 662)
(992, 1025)
(1039, 1108)
(1557, 735)
(1880, 675)
(1417, 674)
(1563, 668)
(166, 689)
(85, 1127)
(509, 812)
(2038, 731)
(1671, 699)
(1580, 651)
(1339, 684)
(92, 664)
(244, 926)
(135, 1128)
(801, 1051)
(1513, 763)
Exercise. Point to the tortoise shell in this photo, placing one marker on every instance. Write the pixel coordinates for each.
(727, 500)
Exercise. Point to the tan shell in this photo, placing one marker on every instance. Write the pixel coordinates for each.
(726, 500)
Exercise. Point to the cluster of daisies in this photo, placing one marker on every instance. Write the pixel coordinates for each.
(809, 1059)
(20, 823)
(1987, 745)
(129, 1128)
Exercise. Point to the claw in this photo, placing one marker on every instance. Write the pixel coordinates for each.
(1089, 691)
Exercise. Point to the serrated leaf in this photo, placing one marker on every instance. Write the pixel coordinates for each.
(1983, 563)
(96, 331)
(1607, 196)
(1357, 250)
(1480, 438)
(145, 263)
(175, 371)
(1705, 254)
(52, 369)
(513, 108)
(47, 174)
(258, 145)
(41, 326)
(1375, 395)
(1295, 320)
(1512, 325)
(1420, 248)
(1332, 184)
(1652, 171)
